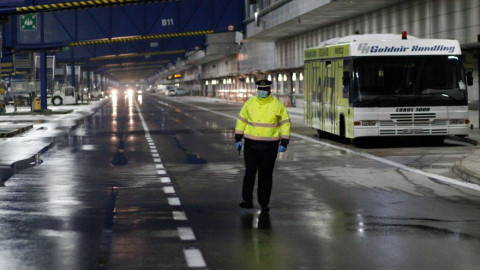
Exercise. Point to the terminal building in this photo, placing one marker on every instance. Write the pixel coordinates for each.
(278, 31)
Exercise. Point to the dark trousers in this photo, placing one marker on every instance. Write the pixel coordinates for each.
(259, 156)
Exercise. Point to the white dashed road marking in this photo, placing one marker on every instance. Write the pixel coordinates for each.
(168, 190)
(174, 201)
(179, 215)
(186, 234)
(193, 256)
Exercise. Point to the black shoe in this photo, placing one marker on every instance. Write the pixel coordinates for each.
(265, 208)
(248, 205)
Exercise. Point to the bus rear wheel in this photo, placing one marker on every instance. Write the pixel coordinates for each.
(343, 131)
(342, 126)
(321, 134)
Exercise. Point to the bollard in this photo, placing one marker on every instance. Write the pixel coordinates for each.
(37, 105)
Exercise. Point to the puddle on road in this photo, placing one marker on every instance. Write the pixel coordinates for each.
(190, 157)
(403, 226)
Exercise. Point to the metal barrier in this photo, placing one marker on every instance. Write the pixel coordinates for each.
(24, 92)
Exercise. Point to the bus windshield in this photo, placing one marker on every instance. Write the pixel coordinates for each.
(409, 81)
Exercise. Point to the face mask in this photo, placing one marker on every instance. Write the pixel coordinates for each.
(262, 94)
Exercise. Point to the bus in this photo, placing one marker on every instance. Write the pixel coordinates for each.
(386, 85)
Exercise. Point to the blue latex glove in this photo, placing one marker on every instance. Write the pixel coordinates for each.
(282, 148)
(238, 145)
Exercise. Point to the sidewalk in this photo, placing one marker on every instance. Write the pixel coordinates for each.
(13, 123)
(25, 134)
(468, 167)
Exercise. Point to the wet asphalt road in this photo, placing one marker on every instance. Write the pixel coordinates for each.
(171, 201)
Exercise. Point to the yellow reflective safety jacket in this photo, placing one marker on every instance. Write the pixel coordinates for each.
(263, 119)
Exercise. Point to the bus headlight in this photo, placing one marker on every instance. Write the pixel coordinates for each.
(365, 123)
(459, 121)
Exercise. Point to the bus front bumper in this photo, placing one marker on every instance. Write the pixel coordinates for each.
(462, 130)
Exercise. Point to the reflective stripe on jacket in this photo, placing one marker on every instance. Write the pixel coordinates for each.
(263, 119)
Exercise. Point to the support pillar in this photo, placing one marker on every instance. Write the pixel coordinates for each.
(72, 76)
(88, 79)
(478, 72)
(43, 79)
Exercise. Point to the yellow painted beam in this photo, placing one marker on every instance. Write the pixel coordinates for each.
(83, 4)
(110, 57)
(139, 38)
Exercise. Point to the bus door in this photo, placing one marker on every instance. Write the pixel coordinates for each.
(329, 96)
(317, 94)
(346, 99)
(321, 94)
(340, 102)
(308, 93)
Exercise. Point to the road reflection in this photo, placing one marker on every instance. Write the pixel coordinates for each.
(257, 241)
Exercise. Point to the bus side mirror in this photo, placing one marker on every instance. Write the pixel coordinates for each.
(469, 77)
(346, 78)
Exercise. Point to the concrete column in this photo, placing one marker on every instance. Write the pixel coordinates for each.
(43, 79)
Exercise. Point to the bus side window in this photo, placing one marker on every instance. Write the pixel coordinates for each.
(319, 89)
(346, 83)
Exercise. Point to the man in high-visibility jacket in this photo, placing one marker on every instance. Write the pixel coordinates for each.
(264, 125)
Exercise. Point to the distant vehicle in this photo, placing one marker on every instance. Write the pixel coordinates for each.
(96, 94)
(165, 89)
(67, 95)
(150, 89)
(177, 92)
(131, 90)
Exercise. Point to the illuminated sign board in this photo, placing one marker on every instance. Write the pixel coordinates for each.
(174, 76)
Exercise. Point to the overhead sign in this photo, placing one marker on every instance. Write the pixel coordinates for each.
(28, 22)
(174, 76)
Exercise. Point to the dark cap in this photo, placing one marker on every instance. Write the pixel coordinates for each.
(263, 84)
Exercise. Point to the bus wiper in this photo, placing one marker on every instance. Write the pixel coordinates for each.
(445, 95)
(437, 91)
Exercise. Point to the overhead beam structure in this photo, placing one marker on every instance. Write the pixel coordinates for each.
(81, 30)
(96, 33)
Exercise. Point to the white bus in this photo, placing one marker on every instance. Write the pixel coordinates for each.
(386, 85)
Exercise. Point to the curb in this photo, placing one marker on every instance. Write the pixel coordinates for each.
(26, 163)
(11, 133)
(465, 173)
(458, 168)
(42, 112)
(463, 139)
